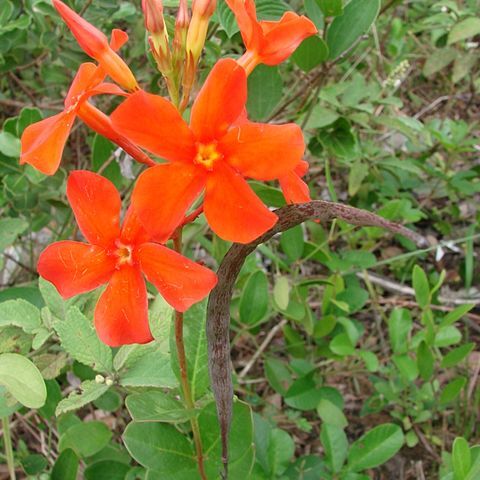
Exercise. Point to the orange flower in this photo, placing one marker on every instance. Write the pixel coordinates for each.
(43, 142)
(212, 154)
(118, 255)
(267, 41)
(294, 189)
(95, 44)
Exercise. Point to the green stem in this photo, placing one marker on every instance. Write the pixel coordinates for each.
(8, 447)
(182, 363)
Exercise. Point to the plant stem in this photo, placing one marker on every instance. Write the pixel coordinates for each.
(182, 363)
(8, 447)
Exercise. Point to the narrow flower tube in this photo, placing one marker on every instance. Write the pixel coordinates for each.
(202, 10)
(96, 45)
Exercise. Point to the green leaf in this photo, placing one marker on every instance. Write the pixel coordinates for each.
(438, 60)
(102, 151)
(303, 394)
(342, 344)
(9, 145)
(90, 391)
(106, 469)
(79, 339)
(66, 466)
(406, 366)
(277, 375)
(274, 448)
(457, 355)
(335, 443)
(156, 406)
(456, 314)
(421, 287)
(293, 243)
(331, 414)
(310, 53)
(331, 8)
(23, 380)
(281, 292)
(265, 86)
(52, 298)
(452, 390)
(160, 447)
(254, 300)
(425, 361)
(85, 439)
(375, 447)
(461, 458)
(10, 229)
(357, 18)
(470, 27)
(20, 313)
(195, 341)
(34, 464)
(463, 66)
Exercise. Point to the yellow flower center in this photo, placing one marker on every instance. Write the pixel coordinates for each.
(124, 254)
(207, 155)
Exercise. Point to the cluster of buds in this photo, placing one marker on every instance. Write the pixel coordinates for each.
(178, 62)
(397, 75)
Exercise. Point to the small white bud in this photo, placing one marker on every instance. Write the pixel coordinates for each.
(99, 379)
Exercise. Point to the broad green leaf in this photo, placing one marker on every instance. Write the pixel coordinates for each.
(160, 447)
(406, 366)
(375, 447)
(425, 361)
(274, 448)
(23, 380)
(52, 298)
(281, 292)
(463, 66)
(265, 86)
(458, 354)
(195, 341)
(447, 336)
(344, 31)
(156, 406)
(20, 313)
(34, 464)
(66, 466)
(461, 458)
(341, 343)
(335, 443)
(152, 369)
(90, 391)
(10, 229)
(254, 300)
(85, 439)
(470, 27)
(331, 8)
(106, 469)
(293, 243)
(331, 414)
(357, 175)
(438, 60)
(421, 287)
(303, 394)
(452, 390)
(277, 375)
(314, 13)
(79, 339)
(311, 53)
(9, 145)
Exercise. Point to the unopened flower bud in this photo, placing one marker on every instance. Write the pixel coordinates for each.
(153, 13)
(99, 379)
(202, 10)
(109, 382)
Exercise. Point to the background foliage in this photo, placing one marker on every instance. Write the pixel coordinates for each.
(357, 352)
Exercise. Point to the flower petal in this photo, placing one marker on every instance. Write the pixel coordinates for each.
(220, 101)
(153, 123)
(294, 189)
(118, 39)
(75, 267)
(43, 142)
(232, 209)
(87, 76)
(263, 151)
(121, 314)
(179, 280)
(96, 205)
(245, 14)
(282, 38)
(164, 193)
(133, 231)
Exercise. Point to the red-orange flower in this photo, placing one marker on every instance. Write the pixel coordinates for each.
(118, 255)
(43, 142)
(212, 154)
(269, 42)
(96, 45)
